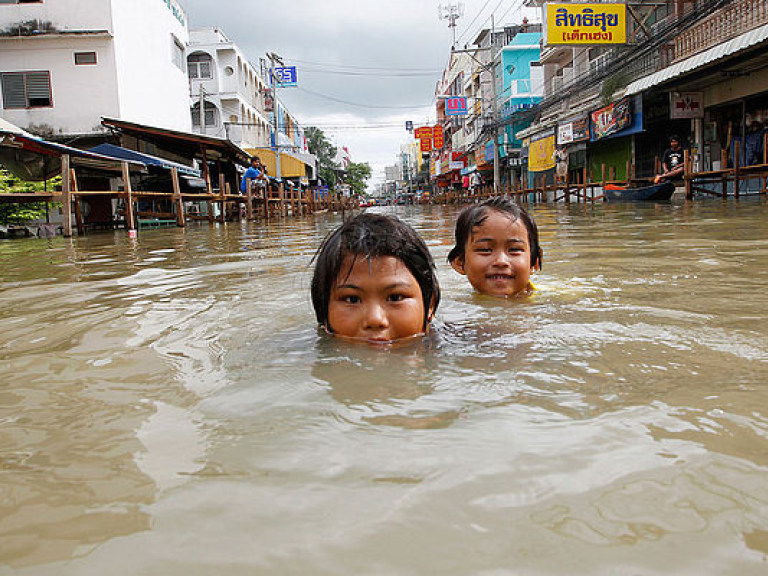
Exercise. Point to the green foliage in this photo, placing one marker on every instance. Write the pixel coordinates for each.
(319, 145)
(357, 176)
(18, 213)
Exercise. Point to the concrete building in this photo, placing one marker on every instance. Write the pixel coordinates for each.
(67, 63)
(233, 92)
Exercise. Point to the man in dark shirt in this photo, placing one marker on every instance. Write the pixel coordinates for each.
(672, 162)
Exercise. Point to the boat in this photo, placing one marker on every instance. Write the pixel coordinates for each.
(652, 193)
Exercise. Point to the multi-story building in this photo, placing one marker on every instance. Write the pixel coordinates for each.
(67, 63)
(231, 91)
(692, 68)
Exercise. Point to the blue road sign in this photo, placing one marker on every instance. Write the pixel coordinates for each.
(286, 76)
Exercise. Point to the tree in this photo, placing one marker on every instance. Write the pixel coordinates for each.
(357, 176)
(325, 152)
(17, 213)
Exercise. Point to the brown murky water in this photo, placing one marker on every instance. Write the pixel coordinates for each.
(168, 407)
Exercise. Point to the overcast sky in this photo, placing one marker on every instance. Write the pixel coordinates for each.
(371, 65)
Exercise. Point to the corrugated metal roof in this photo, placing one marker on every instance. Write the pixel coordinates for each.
(737, 44)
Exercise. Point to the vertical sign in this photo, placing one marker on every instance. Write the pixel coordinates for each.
(426, 144)
(456, 106)
(437, 137)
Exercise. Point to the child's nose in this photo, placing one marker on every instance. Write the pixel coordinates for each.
(501, 258)
(375, 316)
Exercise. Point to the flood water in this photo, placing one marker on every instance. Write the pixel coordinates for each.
(167, 406)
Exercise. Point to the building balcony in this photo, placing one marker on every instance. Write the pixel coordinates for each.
(736, 18)
(556, 54)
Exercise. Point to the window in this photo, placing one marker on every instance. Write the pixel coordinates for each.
(84, 58)
(26, 89)
(199, 65)
(210, 114)
(177, 53)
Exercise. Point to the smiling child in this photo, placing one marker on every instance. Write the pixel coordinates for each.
(497, 248)
(374, 281)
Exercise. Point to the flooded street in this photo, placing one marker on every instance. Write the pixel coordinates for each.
(167, 406)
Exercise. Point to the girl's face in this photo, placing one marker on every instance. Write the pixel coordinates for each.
(497, 257)
(376, 300)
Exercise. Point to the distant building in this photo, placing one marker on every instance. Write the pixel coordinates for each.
(67, 63)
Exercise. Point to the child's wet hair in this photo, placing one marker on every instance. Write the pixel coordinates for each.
(474, 216)
(373, 236)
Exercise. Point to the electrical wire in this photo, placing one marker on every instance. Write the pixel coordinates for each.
(347, 102)
(351, 67)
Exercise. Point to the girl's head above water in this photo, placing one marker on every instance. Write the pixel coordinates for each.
(374, 280)
(497, 247)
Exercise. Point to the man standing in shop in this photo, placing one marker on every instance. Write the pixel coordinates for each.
(672, 162)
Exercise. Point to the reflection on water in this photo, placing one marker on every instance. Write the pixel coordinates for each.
(167, 406)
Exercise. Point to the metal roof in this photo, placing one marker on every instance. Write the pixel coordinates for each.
(741, 42)
(125, 154)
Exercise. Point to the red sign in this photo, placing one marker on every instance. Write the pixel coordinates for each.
(423, 132)
(426, 144)
(437, 137)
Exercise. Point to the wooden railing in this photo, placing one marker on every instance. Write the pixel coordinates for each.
(738, 17)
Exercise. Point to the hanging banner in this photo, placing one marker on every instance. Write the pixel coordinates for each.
(611, 119)
(456, 106)
(423, 132)
(586, 23)
(456, 161)
(426, 144)
(575, 130)
(686, 105)
(541, 154)
(437, 137)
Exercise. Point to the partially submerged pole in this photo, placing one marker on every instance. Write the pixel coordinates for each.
(180, 220)
(66, 196)
(129, 219)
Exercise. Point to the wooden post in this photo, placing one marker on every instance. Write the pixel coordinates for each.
(724, 168)
(686, 175)
(603, 179)
(765, 148)
(66, 196)
(222, 197)
(248, 199)
(585, 185)
(736, 168)
(281, 197)
(78, 207)
(130, 221)
(180, 220)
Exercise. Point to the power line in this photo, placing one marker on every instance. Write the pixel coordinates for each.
(351, 67)
(334, 99)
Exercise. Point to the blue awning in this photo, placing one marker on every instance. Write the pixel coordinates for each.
(147, 159)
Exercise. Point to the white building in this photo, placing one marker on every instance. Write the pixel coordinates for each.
(67, 63)
(231, 88)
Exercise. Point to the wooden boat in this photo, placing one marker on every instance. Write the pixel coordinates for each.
(652, 193)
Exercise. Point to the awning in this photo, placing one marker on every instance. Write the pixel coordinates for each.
(741, 42)
(147, 159)
(290, 165)
(185, 143)
(35, 159)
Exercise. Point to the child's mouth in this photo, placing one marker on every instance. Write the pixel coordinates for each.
(499, 277)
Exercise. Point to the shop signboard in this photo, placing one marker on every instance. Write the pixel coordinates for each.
(286, 76)
(686, 105)
(423, 132)
(489, 151)
(575, 130)
(456, 161)
(444, 163)
(456, 106)
(541, 154)
(425, 144)
(437, 137)
(611, 119)
(590, 24)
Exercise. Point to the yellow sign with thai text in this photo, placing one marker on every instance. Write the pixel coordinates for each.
(541, 154)
(586, 23)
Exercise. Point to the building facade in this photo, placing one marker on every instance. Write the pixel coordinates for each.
(67, 63)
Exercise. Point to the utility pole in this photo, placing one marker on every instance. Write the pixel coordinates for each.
(496, 177)
(272, 59)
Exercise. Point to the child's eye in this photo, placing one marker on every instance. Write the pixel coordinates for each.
(396, 297)
(351, 299)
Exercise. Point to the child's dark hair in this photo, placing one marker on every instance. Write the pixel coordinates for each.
(372, 236)
(475, 215)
